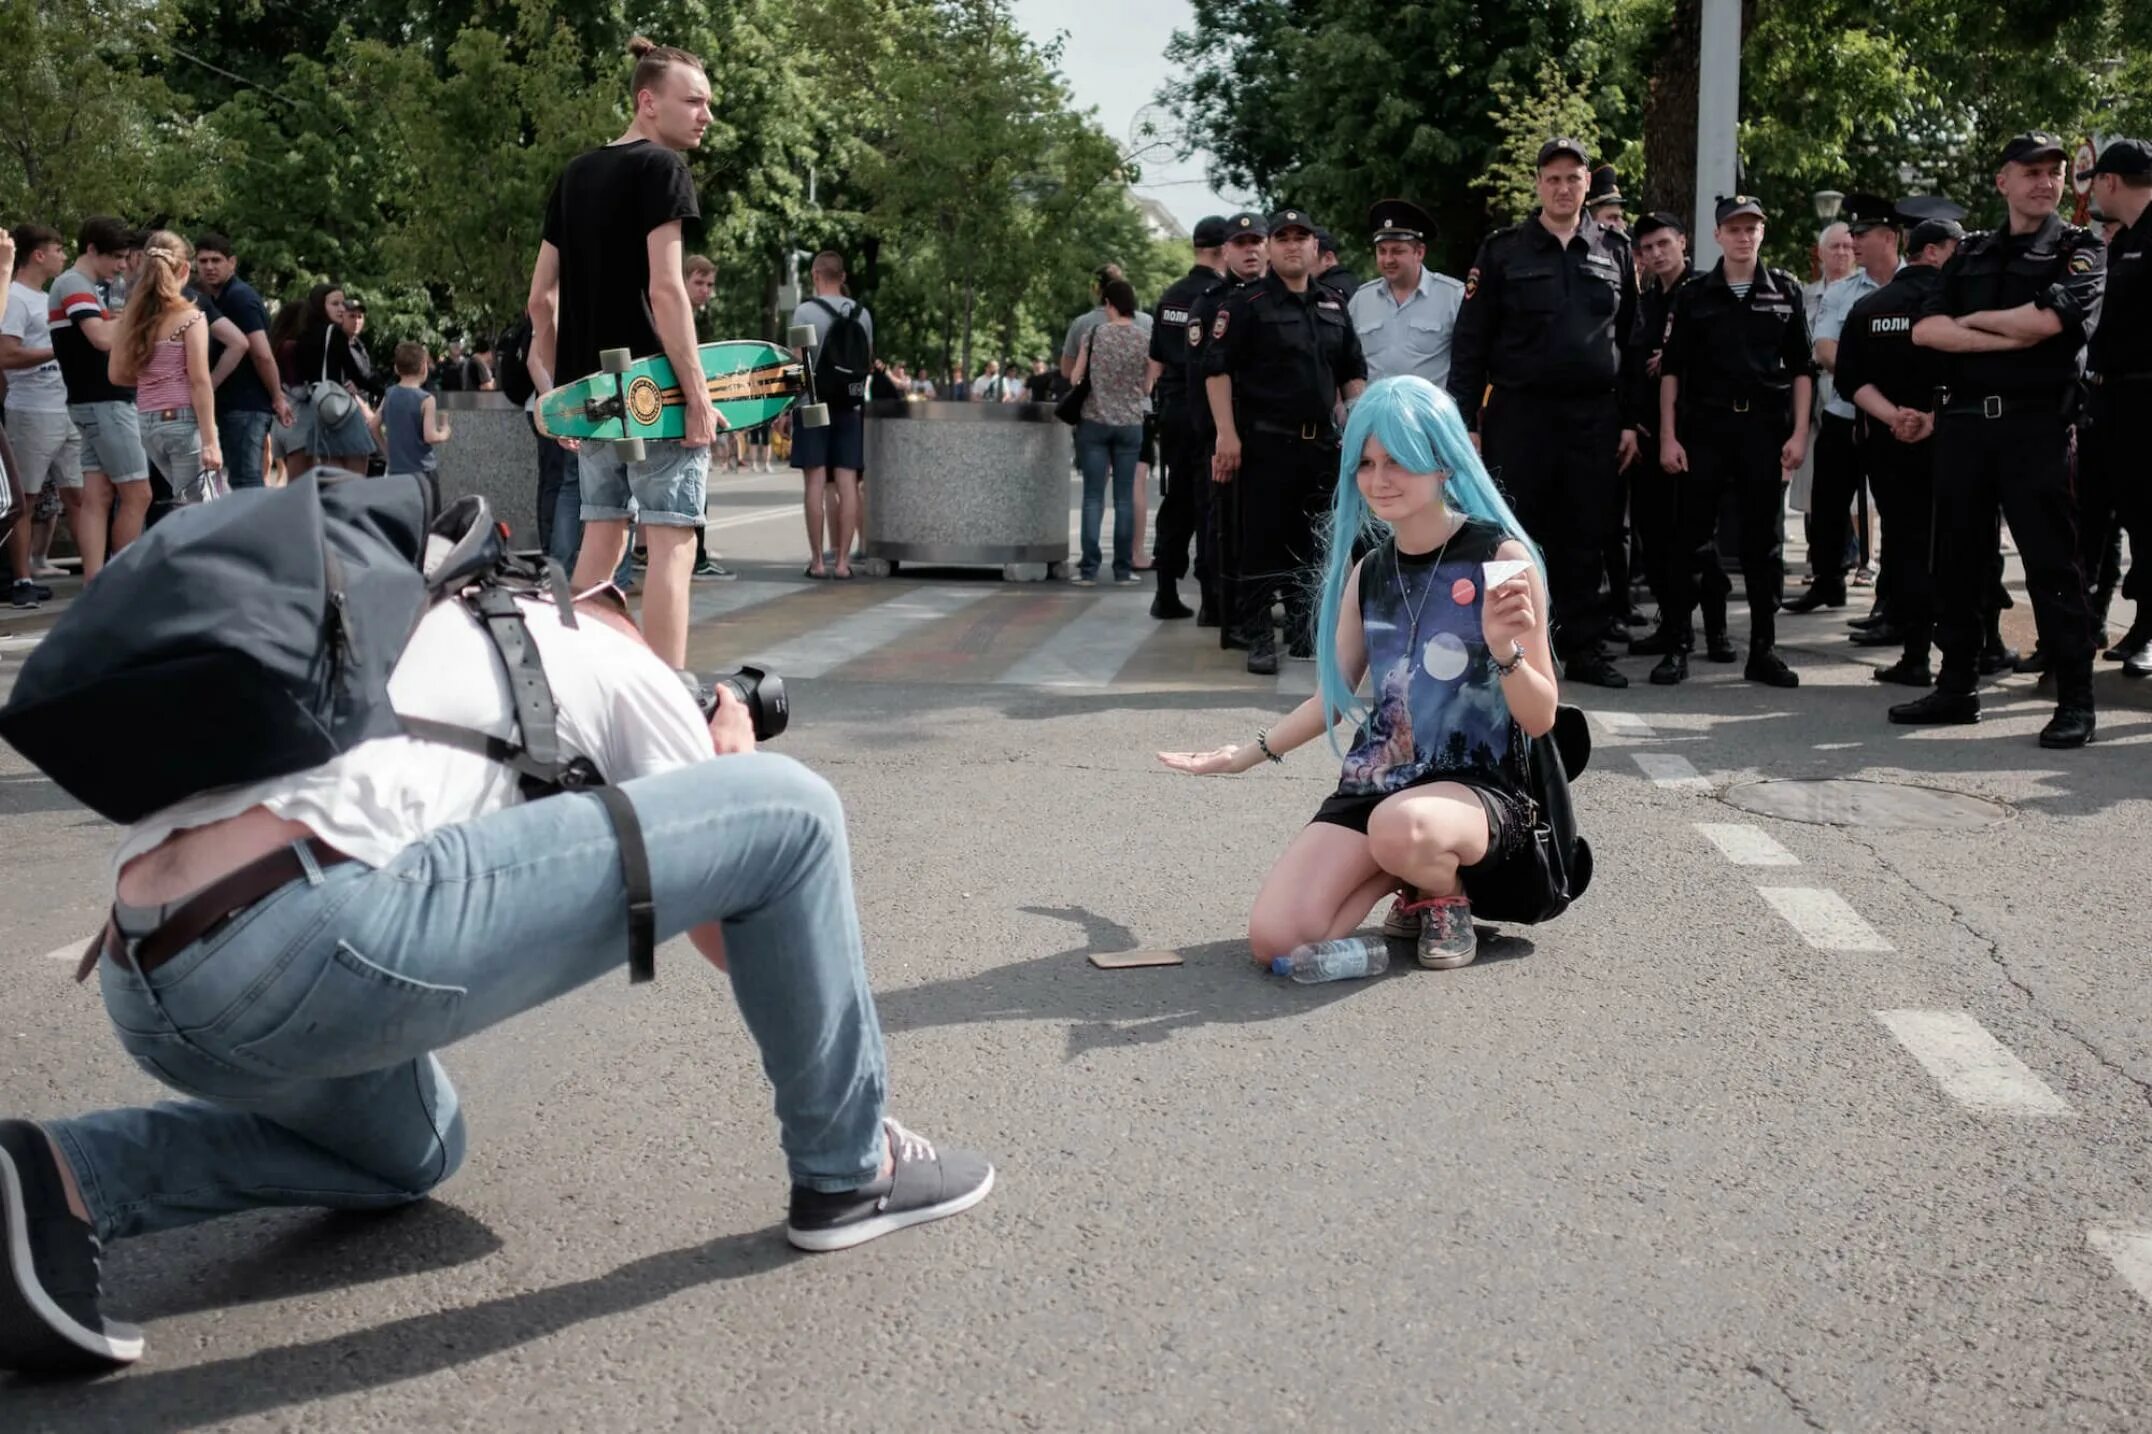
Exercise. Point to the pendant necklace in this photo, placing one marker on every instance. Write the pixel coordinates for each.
(1412, 642)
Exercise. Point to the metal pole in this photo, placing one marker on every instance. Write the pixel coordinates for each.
(1718, 117)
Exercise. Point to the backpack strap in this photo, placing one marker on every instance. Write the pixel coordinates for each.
(635, 874)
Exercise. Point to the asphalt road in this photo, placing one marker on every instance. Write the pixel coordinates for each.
(1853, 1139)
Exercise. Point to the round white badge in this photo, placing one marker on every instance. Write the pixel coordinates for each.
(1445, 657)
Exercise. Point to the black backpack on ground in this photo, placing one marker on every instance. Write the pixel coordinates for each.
(270, 621)
(511, 362)
(845, 358)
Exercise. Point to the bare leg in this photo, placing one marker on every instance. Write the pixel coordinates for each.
(817, 500)
(604, 540)
(1323, 885)
(847, 519)
(18, 520)
(296, 461)
(665, 589)
(349, 462)
(91, 520)
(1138, 559)
(130, 509)
(1426, 835)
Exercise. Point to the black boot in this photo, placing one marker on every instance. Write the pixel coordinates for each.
(1906, 672)
(1594, 670)
(1770, 669)
(1206, 611)
(1672, 669)
(1718, 647)
(1263, 654)
(1828, 592)
(2073, 724)
(1877, 617)
(1168, 603)
(1886, 634)
(1938, 708)
(2136, 640)
(1997, 658)
(2033, 661)
(1657, 643)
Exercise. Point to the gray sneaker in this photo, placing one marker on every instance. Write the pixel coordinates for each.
(1447, 940)
(1403, 923)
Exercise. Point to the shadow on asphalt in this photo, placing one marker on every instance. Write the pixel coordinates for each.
(298, 1374)
(1218, 985)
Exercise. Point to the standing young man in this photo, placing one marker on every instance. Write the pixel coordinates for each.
(838, 449)
(609, 276)
(47, 449)
(115, 470)
(249, 391)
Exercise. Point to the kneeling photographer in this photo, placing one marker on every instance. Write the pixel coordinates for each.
(289, 952)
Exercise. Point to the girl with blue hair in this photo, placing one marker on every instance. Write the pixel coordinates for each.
(1446, 615)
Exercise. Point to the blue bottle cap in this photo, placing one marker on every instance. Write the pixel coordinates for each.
(1281, 965)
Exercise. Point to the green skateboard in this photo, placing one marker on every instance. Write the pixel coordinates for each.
(630, 399)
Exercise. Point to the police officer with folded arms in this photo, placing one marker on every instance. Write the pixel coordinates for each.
(1185, 513)
(2113, 474)
(1735, 384)
(1279, 356)
(1406, 319)
(1247, 259)
(1892, 383)
(2012, 312)
(1547, 306)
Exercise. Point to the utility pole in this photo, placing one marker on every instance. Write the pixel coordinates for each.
(1718, 120)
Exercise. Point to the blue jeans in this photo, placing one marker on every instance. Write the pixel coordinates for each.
(240, 432)
(566, 538)
(303, 1031)
(1097, 446)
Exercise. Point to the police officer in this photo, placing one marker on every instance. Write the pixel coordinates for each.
(1892, 384)
(1407, 318)
(1548, 304)
(1278, 357)
(2113, 484)
(1735, 383)
(2012, 313)
(1247, 259)
(1662, 251)
(1185, 513)
(1330, 270)
(1603, 200)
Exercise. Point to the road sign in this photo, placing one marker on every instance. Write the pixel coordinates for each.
(2081, 164)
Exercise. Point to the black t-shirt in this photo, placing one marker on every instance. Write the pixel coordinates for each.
(600, 216)
(242, 392)
(1040, 386)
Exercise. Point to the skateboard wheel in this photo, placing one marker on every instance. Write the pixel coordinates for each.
(614, 360)
(803, 336)
(631, 449)
(814, 415)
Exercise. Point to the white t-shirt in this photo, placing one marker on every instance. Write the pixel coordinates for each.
(619, 705)
(39, 389)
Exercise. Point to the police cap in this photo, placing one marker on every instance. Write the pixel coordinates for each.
(1933, 231)
(1605, 188)
(1558, 147)
(1246, 225)
(1210, 232)
(2032, 145)
(2130, 158)
(1293, 219)
(1325, 242)
(1915, 208)
(1863, 212)
(1399, 219)
(1659, 219)
(1736, 205)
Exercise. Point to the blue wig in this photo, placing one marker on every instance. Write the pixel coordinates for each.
(1421, 428)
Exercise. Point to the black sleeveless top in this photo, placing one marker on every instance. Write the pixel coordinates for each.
(1439, 713)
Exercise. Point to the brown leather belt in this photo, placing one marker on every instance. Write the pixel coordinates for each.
(207, 909)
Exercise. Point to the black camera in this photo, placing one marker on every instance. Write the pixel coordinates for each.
(761, 693)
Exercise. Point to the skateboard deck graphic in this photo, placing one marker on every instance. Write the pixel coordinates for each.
(751, 383)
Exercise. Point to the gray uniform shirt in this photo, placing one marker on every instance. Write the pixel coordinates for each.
(1412, 337)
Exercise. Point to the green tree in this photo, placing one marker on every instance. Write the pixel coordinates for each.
(1526, 118)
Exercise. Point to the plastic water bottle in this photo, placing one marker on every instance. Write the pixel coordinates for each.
(1351, 959)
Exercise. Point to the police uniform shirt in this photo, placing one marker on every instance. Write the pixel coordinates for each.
(1542, 315)
(1288, 354)
(1412, 337)
(1169, 337)
(1877, 345)
(2122, 343)
(1727, 347)
(1342, 281)
(1200, 320)
(2058, 267)
(1647, 337)
(1829, 323)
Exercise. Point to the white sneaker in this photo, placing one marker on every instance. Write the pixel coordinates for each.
(44, 569)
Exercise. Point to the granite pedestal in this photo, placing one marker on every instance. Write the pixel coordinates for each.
(494, 454)
(968, 483)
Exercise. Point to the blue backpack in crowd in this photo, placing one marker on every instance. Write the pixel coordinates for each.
(263, 629)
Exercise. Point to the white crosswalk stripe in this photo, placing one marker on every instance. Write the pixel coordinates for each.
(1624, 724)
(711, 600)
(1825, 920)
(1973, 1068)
(1744, 845)
(1671, 770)
(1088, 651)
(816, 653)
(2130, 1252)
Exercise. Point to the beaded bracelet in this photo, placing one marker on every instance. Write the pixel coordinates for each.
(1262, 740)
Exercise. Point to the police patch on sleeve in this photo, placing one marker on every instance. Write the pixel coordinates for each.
(2081, 262)
(1195, 335)
(1218, 326)
(1472, 282)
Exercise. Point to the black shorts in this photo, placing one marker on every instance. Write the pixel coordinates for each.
(1509, 817)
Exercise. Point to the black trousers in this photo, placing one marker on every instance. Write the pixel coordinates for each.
(1184, 515)
(2019, 463)
(2114, 491)
(1903, 477)
(1554, 457)
(1655, 512)
(1839, 472)
(1283, 484)
(1734, 456)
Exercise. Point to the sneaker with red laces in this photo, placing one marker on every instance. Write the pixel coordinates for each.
(1403, 922)
(1447, 940)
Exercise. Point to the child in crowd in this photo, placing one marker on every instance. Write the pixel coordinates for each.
(409, 423)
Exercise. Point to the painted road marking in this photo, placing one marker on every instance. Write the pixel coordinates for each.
(753, 515)
(1624, 724)
(712, 600)
(1745, 845)
(1824, 918)
(1669, 770)
(1088, 651)
(71, 952)
(2130, 1252)
(816, 653)
(1974, 1068)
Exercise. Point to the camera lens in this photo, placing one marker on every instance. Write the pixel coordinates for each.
(763, 695)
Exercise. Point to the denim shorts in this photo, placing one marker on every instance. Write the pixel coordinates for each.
(111, 440)
(666, 487)
(47, 447)
(841, 443)
(176, 445)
